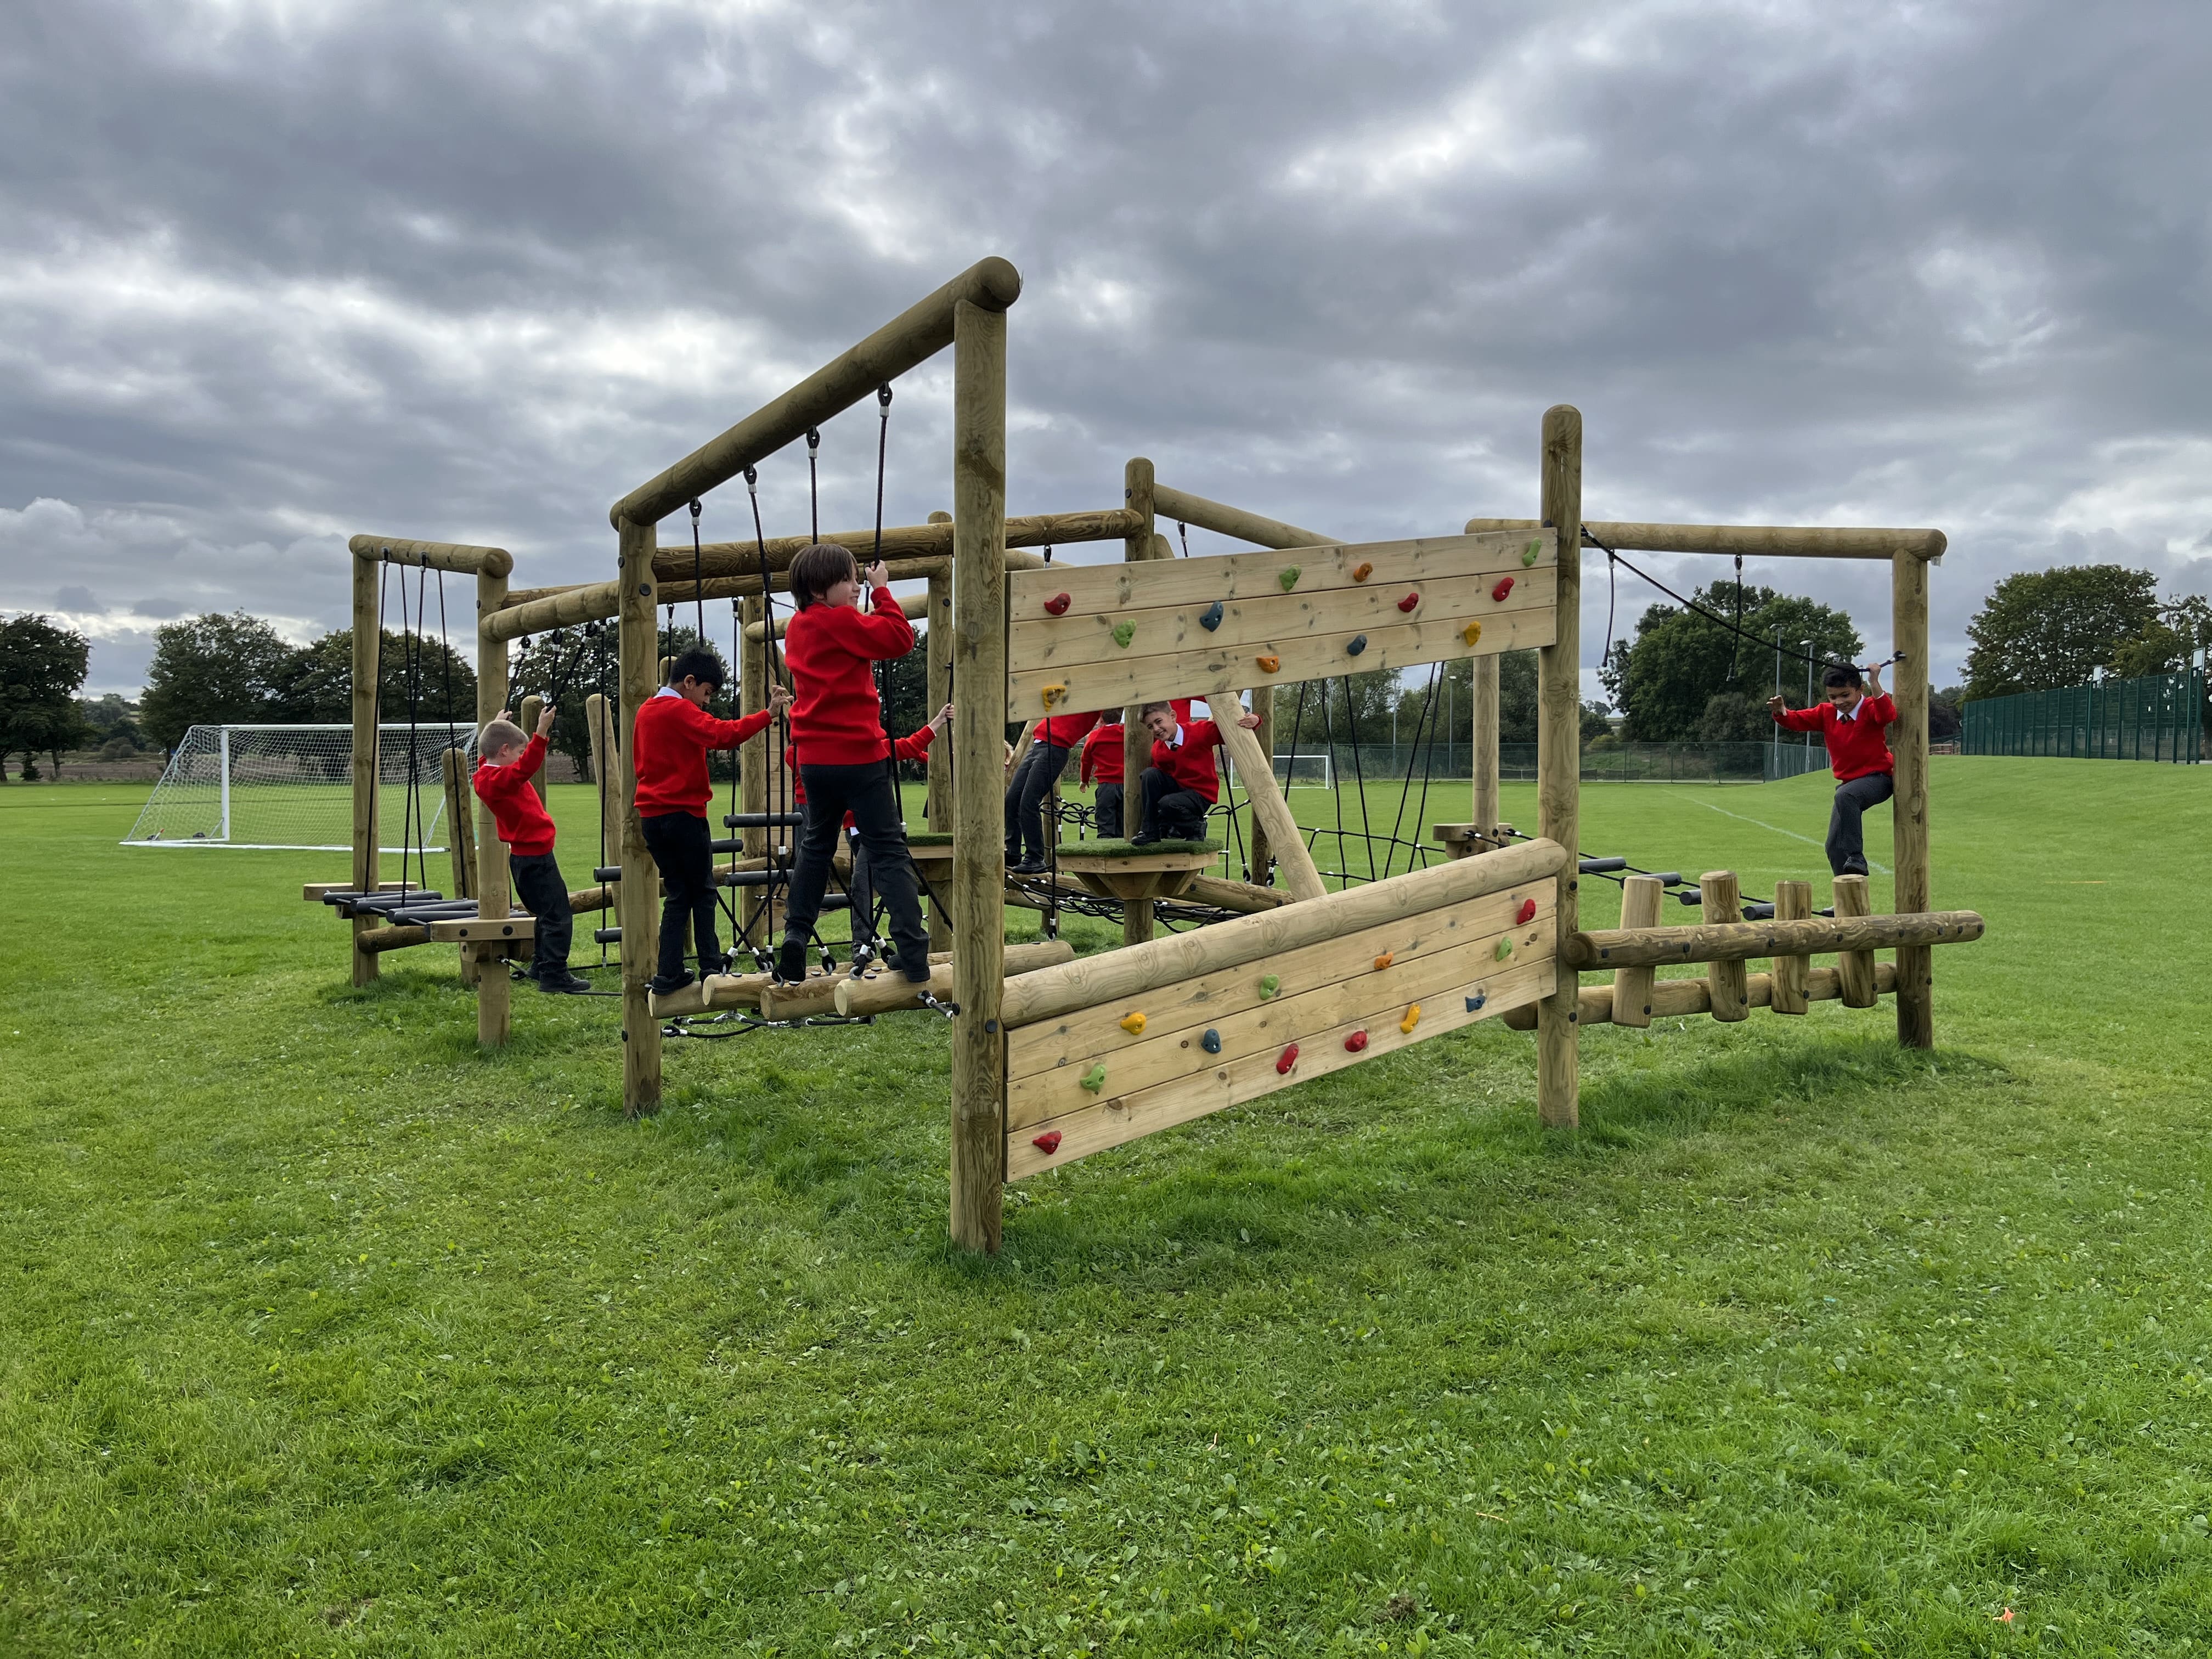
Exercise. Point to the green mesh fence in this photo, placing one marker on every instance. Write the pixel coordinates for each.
(2159, 717)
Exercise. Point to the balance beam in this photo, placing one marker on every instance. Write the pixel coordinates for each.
(1594, 1006)
(1737, 941)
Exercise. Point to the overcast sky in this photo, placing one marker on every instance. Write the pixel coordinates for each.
(275, 271)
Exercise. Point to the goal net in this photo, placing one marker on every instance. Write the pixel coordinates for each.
(1298, 772)
(291, 787)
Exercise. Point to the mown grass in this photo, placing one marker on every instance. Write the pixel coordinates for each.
(325, 1333)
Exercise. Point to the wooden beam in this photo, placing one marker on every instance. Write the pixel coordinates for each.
(912, 336)
(1793, 901)
(491, 889)
(1908, 740)
(368, 628)
(1225, 520)
(639, 655)
(1301, 878)
(1752, 541)
(884, 994)
(375, 940)
(1851, 930)
(1722, 907)
(1674, 998)
(457, 556)
(1852, 908)
(902, 543)
(482, 930)
(1640, 897)
(937, 797)
(1482, 721)
(1139, 487)
(1558, 755)
(979, 726)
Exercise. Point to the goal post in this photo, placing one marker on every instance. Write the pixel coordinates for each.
(290, 788)
(1298, 772)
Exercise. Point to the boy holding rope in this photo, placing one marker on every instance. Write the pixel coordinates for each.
(501, 781)
(1851, 723)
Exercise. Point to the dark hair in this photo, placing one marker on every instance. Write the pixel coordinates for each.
(1841, 673)
(814, 570)
(1151, 708)
(697, 663)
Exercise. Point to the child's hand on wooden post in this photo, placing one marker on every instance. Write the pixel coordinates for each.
(1249, 722)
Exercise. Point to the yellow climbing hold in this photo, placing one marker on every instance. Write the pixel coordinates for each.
(1412, 1018)
(1053, 695)
(1472, 632)
(1134, 1022)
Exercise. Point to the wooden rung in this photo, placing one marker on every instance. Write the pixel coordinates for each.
(314, 892)
(478, 930)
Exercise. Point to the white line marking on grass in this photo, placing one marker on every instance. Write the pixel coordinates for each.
(1871, 864)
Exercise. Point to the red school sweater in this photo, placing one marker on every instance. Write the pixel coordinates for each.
(1065, 731)
(832, 649)
(1857, 747)
(668, 746)
(1191, 762)
(1102, 754)
(516, 808)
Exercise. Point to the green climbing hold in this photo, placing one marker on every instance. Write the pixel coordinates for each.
(1528, 554)
(1123, 633)
(1269, 984)
(1095, 1078)
(1504, 949)
(1289, 578)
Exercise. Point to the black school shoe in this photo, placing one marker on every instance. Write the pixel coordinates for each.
(1143, 838)
(790, 965)
(563, 983)
(661, 984)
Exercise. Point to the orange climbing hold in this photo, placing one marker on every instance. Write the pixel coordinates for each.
(1355, 1041)
(1134, 1022)
(1268, 664)
(1412, 1018)
(1362, 571)
(1287, 1059)
(1384, 961)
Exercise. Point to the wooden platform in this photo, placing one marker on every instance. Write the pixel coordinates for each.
(1136, 875)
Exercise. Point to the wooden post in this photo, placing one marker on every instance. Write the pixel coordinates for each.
(1263, 849)
(607, 769)
(366, 620)
(1857, 967)
(1908, 739)
(460, 822)
(1558, 758)
(1793, 901)
(1483, 725)
(979, 736)
(938, 800)
(1640, 897)
(1723, 902)
(756, 765)
(640, 650)
(1137, 486)
(495, 991)
(526, 718)
(1269, 809)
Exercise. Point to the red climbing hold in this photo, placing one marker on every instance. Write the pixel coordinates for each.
(1355, 1041)
(1409, 602)
(1504, 587)
(1048, 1143)
(1527, 912)
(1056, 606)
(1287, 1059)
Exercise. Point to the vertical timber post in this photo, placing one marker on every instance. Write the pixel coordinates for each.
(1559, 760)
(979, 736)
(1137, 488)
(1916, 992)
(1631, 987)
(754, 762)
(1483, 689)
(494, 992)
(367, 622)
(938, 799)
(640, 654)
(1726, 982)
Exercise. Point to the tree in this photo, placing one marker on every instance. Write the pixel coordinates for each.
(314, 686)
(1944, 723)
(1735, 717)
(2169, 643)
(2044, 628)
(42, 664)
(1667, 679)
(212, 670)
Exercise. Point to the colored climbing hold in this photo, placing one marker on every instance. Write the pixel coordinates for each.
(1285, 1060)
(1528, 554)
(1504, 949)
(1361, 573)
(1053, 693)
(1269, 984)
(1048, 1143)
(1056, 606)
(1383, 961)
(1409, 601)
(1355, 645)
(1095, 1078)
(1355, 1041)
(1289, 578)
(1504, 587)
(1134, 1022)
(1474, 1003)
(1123, 633)
(1268, 664)
(1525, 913)
(1472, 632)
(1412, 1018)
(1212, 617)
(1211, 1042)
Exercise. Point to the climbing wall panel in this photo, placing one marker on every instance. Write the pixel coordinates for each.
(1104, 637)
(1105, 1074)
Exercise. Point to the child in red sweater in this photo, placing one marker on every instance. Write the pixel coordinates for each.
(1850, 722)
(1102, 764)
(1033, 780)
(832, 647)
(1182, 782)
(861, 888)
(505, 762)
(668, 753)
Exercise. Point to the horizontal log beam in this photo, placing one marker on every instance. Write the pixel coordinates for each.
(912, 336)
(484, 930)
(1674, 997)
(1737, 941)
(907, 541)
(887, 993)
(1234, 521)
(457, 556)
(1752, 541)
(391, 939)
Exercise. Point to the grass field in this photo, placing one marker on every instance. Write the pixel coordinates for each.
(323, 1334)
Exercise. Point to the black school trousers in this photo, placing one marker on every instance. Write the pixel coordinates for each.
(682, 850)
(866, 792)
(540, 889)
(1846, 844)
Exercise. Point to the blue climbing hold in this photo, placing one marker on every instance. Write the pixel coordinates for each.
(1474, 1003)
(1211, 1042)
(1211, 619)
(1357, 644)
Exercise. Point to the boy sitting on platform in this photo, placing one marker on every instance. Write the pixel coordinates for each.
(1850, 722)
(1182, 783)
(832, 646)
(668, 750)
(507, 762)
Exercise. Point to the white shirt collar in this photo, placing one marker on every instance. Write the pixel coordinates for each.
(1176, 742)
(668, 691)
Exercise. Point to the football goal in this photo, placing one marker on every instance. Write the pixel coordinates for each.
(1298, 772)
(290, 788)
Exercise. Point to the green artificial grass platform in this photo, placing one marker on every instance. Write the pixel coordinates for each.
(1126, 850)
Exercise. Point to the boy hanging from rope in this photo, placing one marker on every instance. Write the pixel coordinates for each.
(668, 748)
(1182, 782)
(1851, 723)
(507, 762)
(831, 645)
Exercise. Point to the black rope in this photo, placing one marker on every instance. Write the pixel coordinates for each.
(775, 677)
(698, 583)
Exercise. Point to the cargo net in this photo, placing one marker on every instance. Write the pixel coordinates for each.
(290, 788)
